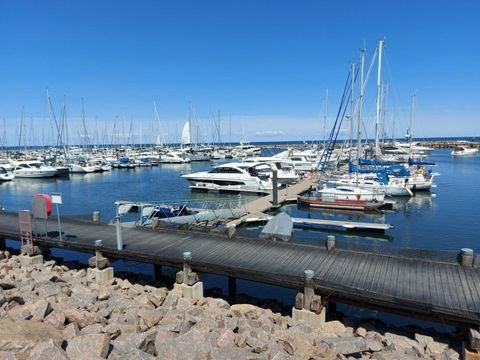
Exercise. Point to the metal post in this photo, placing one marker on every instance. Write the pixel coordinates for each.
(98, 253)
(275, 187)
(308, 290)
(58, 219)
(187, 269)
(119, 233)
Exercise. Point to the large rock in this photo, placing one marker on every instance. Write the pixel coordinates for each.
(122, 350)
(83, 346)
(347, 345)
(142, 341)
(23, 334)
(400, 342)
(47, 350)
(332, 328)
(231, 353)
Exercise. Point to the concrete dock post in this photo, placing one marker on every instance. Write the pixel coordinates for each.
(308, 306)
(187, 280)
(99, 265)
(330, 242)
(466, 257)
(275, 188)
(118, 226)
(308, 289)
(96, 217)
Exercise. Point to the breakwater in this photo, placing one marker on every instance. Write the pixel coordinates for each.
(51, 311)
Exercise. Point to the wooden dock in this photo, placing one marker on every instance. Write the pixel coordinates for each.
(412, 286)
(256, 209)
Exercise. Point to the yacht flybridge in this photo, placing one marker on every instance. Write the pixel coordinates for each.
(232, 178)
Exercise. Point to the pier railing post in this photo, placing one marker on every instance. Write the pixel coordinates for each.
(118, 226)
(466, 257)
(330, 242)
(187, 269)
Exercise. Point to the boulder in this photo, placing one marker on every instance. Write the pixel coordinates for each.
(332, 328)
(24, 334)
(83, 346)
(121, 350)
(347, 345)
(47, 350)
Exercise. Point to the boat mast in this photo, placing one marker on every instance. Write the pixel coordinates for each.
(379, 92)
(410, 128)
(352, 111)
(360, 105)
(325, 119)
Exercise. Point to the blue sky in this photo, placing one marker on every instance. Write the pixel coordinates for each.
(265, 65)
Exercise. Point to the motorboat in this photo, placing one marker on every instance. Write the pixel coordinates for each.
(372, 182)
(343, 198)
(230, 177)
(464, 151)
(285, 170)
(6, 174)
(33, 169)
(81, 168)
(173, 157)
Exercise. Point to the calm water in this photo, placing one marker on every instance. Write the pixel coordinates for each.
(445, 218)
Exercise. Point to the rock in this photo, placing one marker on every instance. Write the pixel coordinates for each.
(85, 345)
(400, 342)
(103, 294)
(8, 355)
(24, 334)
(287, 346)
(226, 338)
(70, 331)
(332, 328)
(92, 329)
(360, 331)
(57, 319)
(47, 290)
(47, 350)
(40, 309)
(423, 340)
(171, 300)
(226, 353)
(374, 345)
(347, 345)
(142, 341)
(436, 348)
(124, 350)
(393, 355)
(243, 309)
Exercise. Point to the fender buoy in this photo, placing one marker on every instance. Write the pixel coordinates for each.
(48, 202)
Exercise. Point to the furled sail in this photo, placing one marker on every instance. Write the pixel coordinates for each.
(186, 134)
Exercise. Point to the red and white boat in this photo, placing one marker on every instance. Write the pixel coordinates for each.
(344, 198)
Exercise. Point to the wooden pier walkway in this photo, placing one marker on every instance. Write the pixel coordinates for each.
(256, 209)
(415, 287)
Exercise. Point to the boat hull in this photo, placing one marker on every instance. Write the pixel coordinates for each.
(357, 205)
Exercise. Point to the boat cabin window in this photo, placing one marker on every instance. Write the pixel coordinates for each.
(225, 170)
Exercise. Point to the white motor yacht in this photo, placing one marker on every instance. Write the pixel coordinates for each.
(229, 177)
(6, 174)
(464, 151)
(33, 169)
(173, 157)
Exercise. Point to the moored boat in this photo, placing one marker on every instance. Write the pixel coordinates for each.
(343, 198)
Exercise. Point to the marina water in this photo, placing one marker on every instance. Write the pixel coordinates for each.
(434, 223)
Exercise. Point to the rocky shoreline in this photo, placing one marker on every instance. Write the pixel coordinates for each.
(49, 311)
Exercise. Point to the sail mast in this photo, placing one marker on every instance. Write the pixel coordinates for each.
(360, 105)
(410, 133)
(379, 92)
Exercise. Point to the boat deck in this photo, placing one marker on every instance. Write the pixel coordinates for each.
(413, 286)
